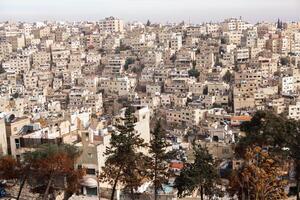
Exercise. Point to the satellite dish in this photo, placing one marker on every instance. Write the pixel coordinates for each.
(10, 118)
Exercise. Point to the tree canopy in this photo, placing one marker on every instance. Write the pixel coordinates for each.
(199, 175)
(260, 177)
(194, 72)
(159, 165)
(228, 77)
(43, 167)
(128, 62)
(148, 23)
(280, 135)
(125, 164)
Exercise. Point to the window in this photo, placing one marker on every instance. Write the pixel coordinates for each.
(17, 142)
(225, 151)
(90, 171)
(91, 191)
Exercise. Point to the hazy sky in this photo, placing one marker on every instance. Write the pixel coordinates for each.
(156, 10)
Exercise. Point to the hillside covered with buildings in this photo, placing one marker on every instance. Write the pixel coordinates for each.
(152, 111)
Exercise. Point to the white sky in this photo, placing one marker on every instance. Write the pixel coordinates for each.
(196, 11)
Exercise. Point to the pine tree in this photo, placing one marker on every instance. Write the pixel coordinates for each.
(200, 175)
(125, 162)
(159, 158)
(148, 23)
(228, 77)
(265, 129)
(278, 24)
(194, 72)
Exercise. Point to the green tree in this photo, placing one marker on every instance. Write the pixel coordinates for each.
(223, 40)
(194, 72)
(284, 61)
(159, 158)
(279, 24)
(173, 58)
(122, 47)
(194, 63)
(1, 70)
(125, 163)
(205, 90)
(148, 23)
(216, 105)
(228, 77)
(128, 62)
(265, 129)
(201, 175)
(218, 62)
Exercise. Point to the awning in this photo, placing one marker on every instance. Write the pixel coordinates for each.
(89, 182)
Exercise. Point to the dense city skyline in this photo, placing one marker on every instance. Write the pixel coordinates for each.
(99, 103)
(157, 11)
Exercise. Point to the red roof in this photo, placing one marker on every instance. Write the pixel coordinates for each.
(176, 165)
(241, 118)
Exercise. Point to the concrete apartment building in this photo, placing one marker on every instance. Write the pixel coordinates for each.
(176, 42)
(187, 116)
(41, 57)
(17, 64)
(287, 85)
(31, 80)
(114, 66)
(294, 111)
(153, 89)
(242, 55)
(13, 126)
(93, 147)
(204, 60)
(234, 37)
(29, 138)
(234, 24)
(111, 25)
(5, 50)
(17, 42)
(246, 85)
(120, 86)
(278, 105)
(3, 138)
